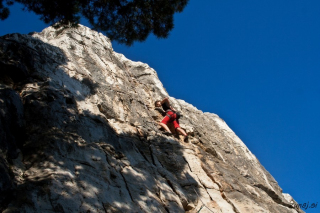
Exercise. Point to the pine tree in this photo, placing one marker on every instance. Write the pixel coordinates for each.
(125, 21)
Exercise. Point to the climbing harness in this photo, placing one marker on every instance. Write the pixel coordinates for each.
(178, 115)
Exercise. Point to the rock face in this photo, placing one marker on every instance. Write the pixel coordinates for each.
(79, 134)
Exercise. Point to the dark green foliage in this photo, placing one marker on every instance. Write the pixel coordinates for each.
(125, 21)
(4, 11)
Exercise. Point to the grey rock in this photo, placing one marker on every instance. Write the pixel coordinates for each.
(83, 117)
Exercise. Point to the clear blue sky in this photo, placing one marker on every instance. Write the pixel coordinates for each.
(254, 63)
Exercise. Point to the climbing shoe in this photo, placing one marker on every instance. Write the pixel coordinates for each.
(168, 133)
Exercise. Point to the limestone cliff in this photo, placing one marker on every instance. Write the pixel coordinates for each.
(79, 134)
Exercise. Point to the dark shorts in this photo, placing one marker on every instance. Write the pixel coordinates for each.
(173, 119)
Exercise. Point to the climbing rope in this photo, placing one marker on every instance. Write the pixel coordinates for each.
(156, 130)
(145, 106)
(200, 208)
(203, 205)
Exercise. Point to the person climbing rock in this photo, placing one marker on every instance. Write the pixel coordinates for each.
(171, 117)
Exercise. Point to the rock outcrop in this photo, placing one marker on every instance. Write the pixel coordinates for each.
(79, 134)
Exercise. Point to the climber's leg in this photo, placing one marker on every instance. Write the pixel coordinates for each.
(178, 128)
(181, 131)
(165, 127)
(164, 122)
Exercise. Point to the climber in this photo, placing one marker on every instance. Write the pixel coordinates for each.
(171, 117)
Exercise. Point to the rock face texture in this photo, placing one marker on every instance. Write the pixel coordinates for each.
(79, 133)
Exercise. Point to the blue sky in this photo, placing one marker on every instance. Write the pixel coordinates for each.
(255, 64)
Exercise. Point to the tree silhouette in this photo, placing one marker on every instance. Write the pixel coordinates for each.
(125, 21)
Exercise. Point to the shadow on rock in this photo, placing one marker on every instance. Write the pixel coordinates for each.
(74, 160)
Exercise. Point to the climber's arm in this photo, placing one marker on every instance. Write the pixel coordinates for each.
(166, 100)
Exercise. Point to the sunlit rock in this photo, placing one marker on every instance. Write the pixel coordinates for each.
(79, 134)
